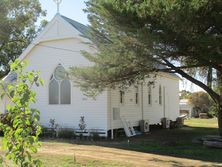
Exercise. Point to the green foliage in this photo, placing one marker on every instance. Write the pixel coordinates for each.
(213, 111)
(185, 94)
(138, 38)
(53, 125)
(17, 29)
(47, 132)
(20, 122)
(66, 133)
(95, 136)
(200, 100)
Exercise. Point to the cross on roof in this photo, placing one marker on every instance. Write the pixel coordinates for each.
(58, 2)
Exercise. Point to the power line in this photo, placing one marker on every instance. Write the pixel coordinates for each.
(52, 47)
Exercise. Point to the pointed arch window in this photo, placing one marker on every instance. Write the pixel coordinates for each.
(59, 87)
(53, 92)
(65, 92)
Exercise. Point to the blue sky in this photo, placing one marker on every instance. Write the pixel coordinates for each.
(69, 8)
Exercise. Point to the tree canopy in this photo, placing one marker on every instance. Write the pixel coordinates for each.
(138, 38)
(200, 100)
(184, 94)
(17, 29)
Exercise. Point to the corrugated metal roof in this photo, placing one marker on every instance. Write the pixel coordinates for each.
(84, 30)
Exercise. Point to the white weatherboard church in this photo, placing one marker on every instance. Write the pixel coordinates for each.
(59, 47)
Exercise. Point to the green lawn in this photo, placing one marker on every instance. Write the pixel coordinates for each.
(205, 123)
(178, 142)
(161, 147)
(70, 161)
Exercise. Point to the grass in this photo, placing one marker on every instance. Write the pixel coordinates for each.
(71, 161)
(178, 142)
(55, 160)
(161, 147)
(202, 123)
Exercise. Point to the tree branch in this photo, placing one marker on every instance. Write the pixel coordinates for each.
(213, 94)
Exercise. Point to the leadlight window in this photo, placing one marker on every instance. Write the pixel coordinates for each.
(59, 87)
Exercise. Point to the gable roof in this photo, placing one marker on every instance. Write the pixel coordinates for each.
(81, 29)
(162, 67)
(84, 30)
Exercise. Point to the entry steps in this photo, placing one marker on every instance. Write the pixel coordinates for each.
(128, 128)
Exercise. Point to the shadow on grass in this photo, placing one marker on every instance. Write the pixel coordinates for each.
(177, 143)
(173, 142)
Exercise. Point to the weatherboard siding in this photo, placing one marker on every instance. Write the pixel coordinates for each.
(154, 112)
(45, 60)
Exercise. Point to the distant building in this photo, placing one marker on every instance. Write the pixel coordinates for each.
(186, 108)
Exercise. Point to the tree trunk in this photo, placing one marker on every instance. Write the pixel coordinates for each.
(220, 119)
(210, 77)
(219, 75)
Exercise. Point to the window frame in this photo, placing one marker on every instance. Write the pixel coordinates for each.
(52, 79)
(149, 100)
(121, 97)
(160, 95)
(70, 92)
(137, 99)
(59, 83)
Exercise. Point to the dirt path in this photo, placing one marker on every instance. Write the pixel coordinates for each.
(137, 159)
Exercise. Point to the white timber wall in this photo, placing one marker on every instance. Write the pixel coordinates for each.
(61, 43)
(45, 59)
(170, 106)
(152, 112)
(129, 109)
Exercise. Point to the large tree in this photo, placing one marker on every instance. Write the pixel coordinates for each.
(201, 101)
(135, 38)
(17, 29)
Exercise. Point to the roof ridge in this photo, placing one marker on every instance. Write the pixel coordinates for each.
(73, 20)
(83, 29)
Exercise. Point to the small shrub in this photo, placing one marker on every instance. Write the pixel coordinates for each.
(82, 124)
(94, 136)
(179, 122)
(47, 133)
(66, 134)
(53, 128)
(53, 124)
